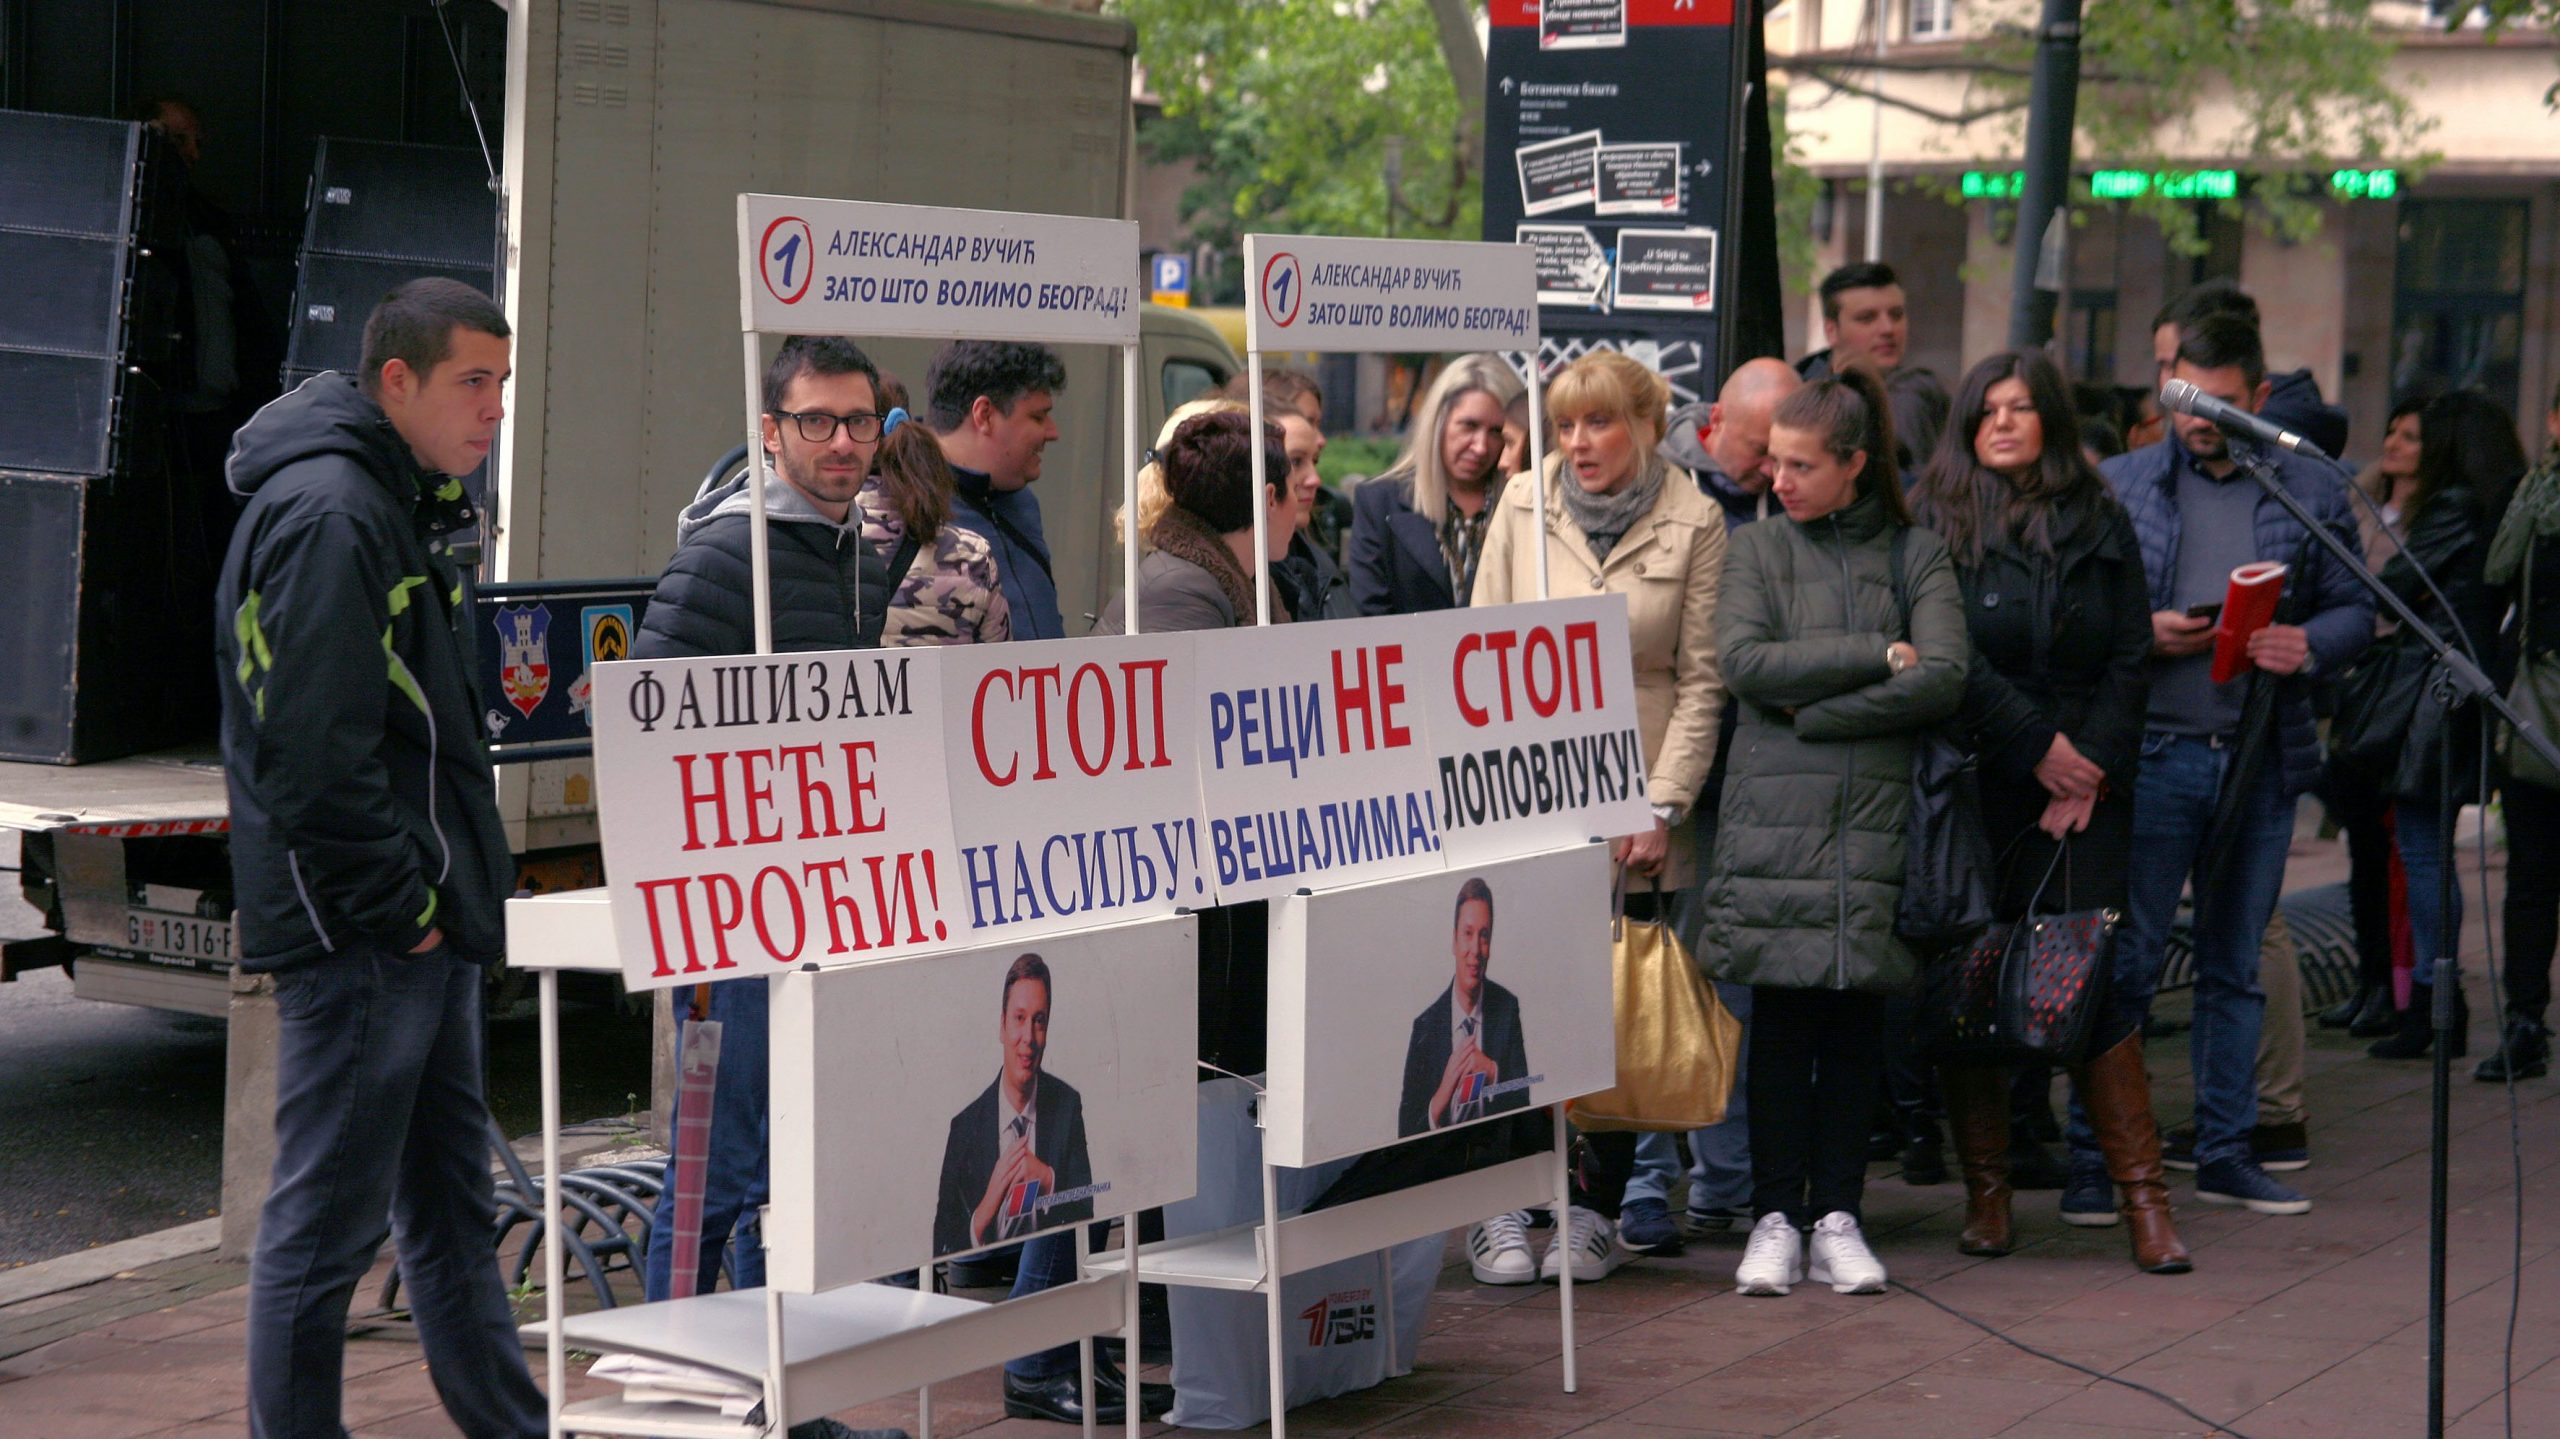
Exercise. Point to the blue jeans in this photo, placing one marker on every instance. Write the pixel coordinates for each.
(1720, 1154)
(2414, 825)
(737, 1180)
(2174, 802)
(381, 1127)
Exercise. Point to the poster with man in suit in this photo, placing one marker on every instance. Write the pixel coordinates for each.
(1467, 1058)
(1015, 1161)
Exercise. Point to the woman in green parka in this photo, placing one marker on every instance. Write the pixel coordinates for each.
(1835, 675)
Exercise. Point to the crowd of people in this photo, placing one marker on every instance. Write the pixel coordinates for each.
(1827, 566)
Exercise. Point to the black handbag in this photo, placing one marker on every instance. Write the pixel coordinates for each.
(1946, 855)
(2379, 701)
(2027, 990)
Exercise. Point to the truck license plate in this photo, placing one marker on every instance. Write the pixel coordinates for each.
(178, 936)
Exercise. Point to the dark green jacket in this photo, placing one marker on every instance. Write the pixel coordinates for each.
(1809, 852)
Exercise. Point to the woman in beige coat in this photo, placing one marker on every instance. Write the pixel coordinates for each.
(1620, 519)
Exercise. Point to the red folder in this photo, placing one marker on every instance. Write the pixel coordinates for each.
(2246, 609)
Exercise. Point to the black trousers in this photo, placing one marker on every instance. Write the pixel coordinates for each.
(1817, 1057)
(2357, 802)
(2533, 897)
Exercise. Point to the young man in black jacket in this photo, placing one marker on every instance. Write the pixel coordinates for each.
(368, 861)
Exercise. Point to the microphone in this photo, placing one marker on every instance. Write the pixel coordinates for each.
(2186, 399)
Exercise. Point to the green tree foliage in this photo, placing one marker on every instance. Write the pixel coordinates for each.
(1290, 109)
(2281, 90)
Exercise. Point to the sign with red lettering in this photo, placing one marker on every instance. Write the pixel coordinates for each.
(761, 812)
(1315, 768)
(1075, 790)
(1535, 737)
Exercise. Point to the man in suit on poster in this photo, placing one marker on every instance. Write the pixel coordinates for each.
(1021, 1142)
(1468, 1042)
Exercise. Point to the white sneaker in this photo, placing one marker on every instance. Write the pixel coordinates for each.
(1590, 1242)
(1498, 1251)
(1773, 1260)
(1841, 1257)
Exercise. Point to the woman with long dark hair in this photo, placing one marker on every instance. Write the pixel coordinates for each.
(945, 590)
(1837, 668)
(2468, 463)
(2060, 618)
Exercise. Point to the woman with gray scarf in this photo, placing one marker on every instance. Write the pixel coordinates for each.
(1620, 519)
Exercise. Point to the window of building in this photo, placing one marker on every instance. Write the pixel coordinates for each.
(2458, 304)
(1930, 19)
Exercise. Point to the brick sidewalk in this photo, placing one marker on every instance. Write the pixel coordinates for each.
(2311, 1326)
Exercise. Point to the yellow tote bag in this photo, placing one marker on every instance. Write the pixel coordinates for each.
(1677, 1043)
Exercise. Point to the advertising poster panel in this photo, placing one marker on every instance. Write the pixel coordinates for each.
(943, 1105)
(1410, 1006)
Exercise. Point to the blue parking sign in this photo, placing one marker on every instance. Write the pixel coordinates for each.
(1170, 279)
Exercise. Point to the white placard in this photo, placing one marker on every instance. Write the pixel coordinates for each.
(848, 267)
(1532, 709)
(762, 812)
(895, 1088)
(1409, 1006)
(1319, 293)
(1314, 766)
(1075, 785)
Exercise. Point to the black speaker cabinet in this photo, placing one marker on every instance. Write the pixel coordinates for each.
(401, 202)
(335, 294)
(109, 646)
(89, 269)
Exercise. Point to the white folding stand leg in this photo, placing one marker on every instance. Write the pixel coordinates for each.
(554, 1265)
(777, 1403)
(1129, 1317)
(1271, 1272)
(1084, 1347)
(924, 1392)
(1564, 1230)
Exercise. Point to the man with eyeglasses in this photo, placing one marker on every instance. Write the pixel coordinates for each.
(822, 425)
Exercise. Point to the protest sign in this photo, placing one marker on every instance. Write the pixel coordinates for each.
(846, 267)
(1314, 768)
(1409, 1006)
(932, 1107)
(1075, 787)
(1319, 293)
(763, 811)
(1532, 715)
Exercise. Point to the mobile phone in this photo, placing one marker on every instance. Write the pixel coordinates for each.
(2211, 611)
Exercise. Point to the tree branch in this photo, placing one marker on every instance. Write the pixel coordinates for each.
(1926, 112)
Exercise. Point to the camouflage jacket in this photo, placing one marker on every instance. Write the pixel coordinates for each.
(950, 595)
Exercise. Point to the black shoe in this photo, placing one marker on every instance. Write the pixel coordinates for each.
(2344, 1012)
(2524, 1052)
(1924, 1157)
(2378, 1017)
(2416, 1035)
(2032, 1166)
(1111, 1389)
(1060, 1397)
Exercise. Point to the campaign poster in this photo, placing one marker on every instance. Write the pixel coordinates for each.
(938, 1106)
(1638, 180)
(1666, 270)
(1075, 787)
(1558, 174)
(1582, 24)
(1315, 769)
(1572, 268)
(1534, 734)
(1410, 1006)
(1325, 293)
(764, 812)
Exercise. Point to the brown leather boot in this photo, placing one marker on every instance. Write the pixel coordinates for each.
(2116, 1091)
(1977, 1098)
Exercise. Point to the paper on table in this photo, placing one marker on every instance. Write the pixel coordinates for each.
(663, 1381)
(2246, 609)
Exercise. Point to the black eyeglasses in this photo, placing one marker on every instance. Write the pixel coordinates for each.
(818, 427)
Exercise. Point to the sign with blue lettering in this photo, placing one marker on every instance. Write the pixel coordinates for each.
(1322, 293)
(843, 267)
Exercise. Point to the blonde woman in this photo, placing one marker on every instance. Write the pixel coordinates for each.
(1417, 530)
(1620, 519)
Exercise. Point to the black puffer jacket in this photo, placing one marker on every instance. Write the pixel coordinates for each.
(830, 589)
(363, 813)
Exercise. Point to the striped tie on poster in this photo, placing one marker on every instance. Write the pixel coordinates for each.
(698, 1069)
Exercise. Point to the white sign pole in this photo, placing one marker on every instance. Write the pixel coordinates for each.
(1137, 448)
(1538, 468)
(759, 549)
(1261, 507)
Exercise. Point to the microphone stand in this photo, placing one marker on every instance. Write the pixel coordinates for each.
(2457, 679)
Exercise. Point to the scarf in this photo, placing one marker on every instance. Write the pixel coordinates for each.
(1605, 519)
(1187, 537)
(1462, 538)
(2533, 514)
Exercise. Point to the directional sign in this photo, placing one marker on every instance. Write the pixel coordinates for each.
(1572, 268)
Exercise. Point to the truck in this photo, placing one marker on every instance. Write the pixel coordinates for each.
(623, 132)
